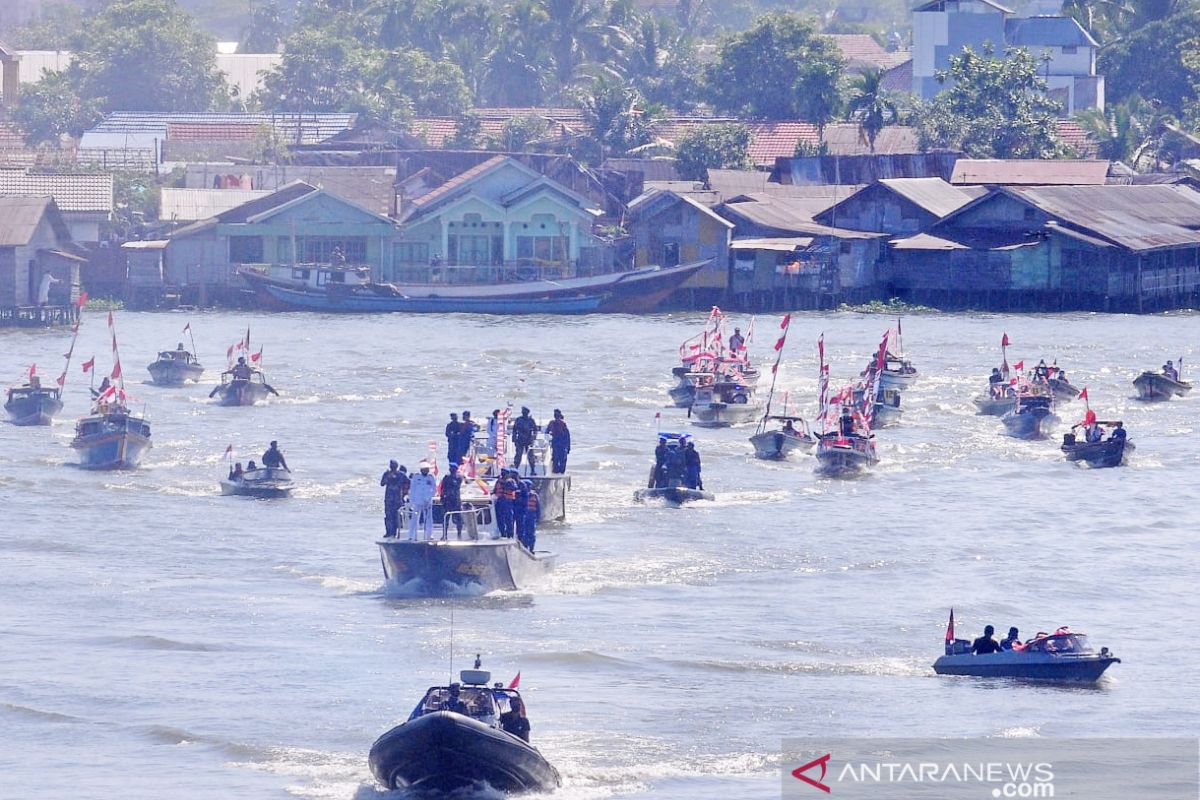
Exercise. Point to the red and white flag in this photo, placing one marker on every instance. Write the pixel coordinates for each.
(82, 301)
(1019, 366)
(116, 373)
(1004, 341)
(187, 327)
(87, 365)
(229, 451)
(950, 627)
(61, 380)
(32, 370)
(1083, 394)
(256, 357)
(516, 681)
(229, 353)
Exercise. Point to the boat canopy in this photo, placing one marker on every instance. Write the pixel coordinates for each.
(482, 703)
(1059, 643)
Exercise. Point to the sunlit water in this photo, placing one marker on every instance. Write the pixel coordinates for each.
(160, 640)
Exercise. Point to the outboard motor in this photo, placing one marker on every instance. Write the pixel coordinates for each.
(1068, 440)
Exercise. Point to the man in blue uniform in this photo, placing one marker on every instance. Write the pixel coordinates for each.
(560, 442)
(453, 432)
(524, 429)
(395, 483)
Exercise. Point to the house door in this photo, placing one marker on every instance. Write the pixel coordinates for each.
(670, 254)
(33, 282)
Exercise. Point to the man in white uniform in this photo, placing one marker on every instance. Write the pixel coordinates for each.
(420, 497)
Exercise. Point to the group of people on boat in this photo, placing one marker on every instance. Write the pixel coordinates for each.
(272, 458)
(987, 644)
(677, 464)
(517, 505)
(415, 491)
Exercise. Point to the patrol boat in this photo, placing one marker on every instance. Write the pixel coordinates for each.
(478, 561)
(263, 483)
(32, 403)
(453, 740)
(668, 479)
(839, 456)
(1064, 656)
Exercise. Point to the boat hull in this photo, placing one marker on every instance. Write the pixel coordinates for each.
(118, 446)
(552, 496)
(1110, 453)
(1154, 386)
(672, 495)
(173, 373)
(897, 380)
(1030, 425)
(37, 408)
(265, 484)
(842, 458)
(724, 415)
(443, 752)
(453, 566)
(683, 396)
(1062, 390)
(1030, 667)
(777, 445)
(994, 406)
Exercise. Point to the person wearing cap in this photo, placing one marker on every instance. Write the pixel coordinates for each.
(505, 494)
(241, 370)
(529, 509)
(658, 479)
(524, 429)
(453, 438)
(691, 462)
(451, 492)
(422, 488)
(454, 703)
(395, 482)
(466, 435)
(273, 458)
(519, 518)
(560, 442)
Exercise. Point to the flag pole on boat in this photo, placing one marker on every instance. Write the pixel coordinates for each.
(783, 326)
(192, 337)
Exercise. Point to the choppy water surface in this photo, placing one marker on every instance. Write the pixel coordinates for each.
(162, 640)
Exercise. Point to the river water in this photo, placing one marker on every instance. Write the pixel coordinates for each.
(162, 640)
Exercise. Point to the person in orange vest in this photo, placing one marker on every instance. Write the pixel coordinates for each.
(505, 494)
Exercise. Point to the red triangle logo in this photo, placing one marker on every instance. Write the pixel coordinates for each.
(823, 763)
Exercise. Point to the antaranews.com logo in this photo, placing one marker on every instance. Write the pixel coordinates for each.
(978, 769)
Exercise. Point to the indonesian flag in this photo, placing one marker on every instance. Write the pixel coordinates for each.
(87, 365)
(658, 415)
(229, 353)
(516, 681)
(950, 628)
(502, 437)
(256, 357)
(82, 301)
(783, 326)
(1089, 418)
(61, 380)
(229, 450)
(107, 393)
(1019, 366)
(1083, 394)
(110, 319)
(116, 373)
(32, 370)
(1004, 340)
(433, 458)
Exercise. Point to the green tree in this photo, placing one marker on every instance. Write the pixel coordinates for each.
(725, 146)
(146, 55)
(1130, 131)
(515, 69)
(520, 134)
(412, 79)
(780, 68)
(661, 64)
(51, 108)
(871, 105)
(1152, 62)
(992, 108)
(54, 29)
(321, 71)
(579, 35)
(265, 30)
(616, 118)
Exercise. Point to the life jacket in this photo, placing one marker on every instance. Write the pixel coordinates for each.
(532, 503)
(508, 489)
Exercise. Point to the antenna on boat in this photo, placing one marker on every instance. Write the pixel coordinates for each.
(451, 644)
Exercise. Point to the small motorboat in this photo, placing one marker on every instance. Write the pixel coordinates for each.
(175, 367)
(1110, 452)
(992, 406)
(479, 562)
(778, 442)
(683, 394)
(263, 483)
(32, 403)
(1155, 386)
(1061, 388)
(887, 405)
(841, 455)
(669, 480)
(1033, 417)
(111, 438)
(898, 373)
(454, 740)
(1064, 656)
(723, 404)
(237, 390)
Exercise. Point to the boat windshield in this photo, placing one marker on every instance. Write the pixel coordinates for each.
(1061, 644)
(477, 700)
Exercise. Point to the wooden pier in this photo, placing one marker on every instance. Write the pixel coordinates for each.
(38, 316)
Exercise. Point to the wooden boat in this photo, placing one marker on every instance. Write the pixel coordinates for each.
(453, 743)
(175, 368)
(898, 373)
(1155, 386)
(841, 456)
(723, 404)
(333, 289)
(1032, 418)
(1110, 452)
(112, 438)
(262, 483)
(33, 404)
(243, 391)
(1062, 389)
(777, 443)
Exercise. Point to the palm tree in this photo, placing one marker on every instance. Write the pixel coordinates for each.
(516, 71)
(580, 33)
(1130, 131)
(871, 105)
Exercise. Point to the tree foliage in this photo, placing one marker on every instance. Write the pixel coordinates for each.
(51, 108)
(1152, 62)
(871, 105)
(712, 147)
(992, 107)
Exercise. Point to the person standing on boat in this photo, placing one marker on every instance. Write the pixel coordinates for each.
(493, 430)
(466, 435)
(1169, 371)
(453, 434)
(519, 518)
(505, 494)
(994, 381)
(530, 509)
(985, 644)
(273, 458)
(691, 465)
(736, 342)
(560, 442)
(524, 429)
(420, 497)
(658, 478)
(514, 721)
(846, 423)
(241, 370)
(395, 482)
(451, 491)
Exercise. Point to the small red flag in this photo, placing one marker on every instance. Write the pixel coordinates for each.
(1020, 365)
(61, 380)
(256, 357)
(87, 365)
(229, 352)
(116, 373)
(787, 320)
(229, 450)
(32, 370)
(110, 319)
(658, 415)
(187, 327)
(516, 681)
(1004, 341)
(1089, 418)
(82, 301)
(950, 627)
(1083, 394)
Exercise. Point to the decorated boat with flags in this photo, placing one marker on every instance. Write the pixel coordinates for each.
(1085, 443)
(262, 483)
(1156, 386)
(1033, 417)
(176, 367)
(467, 736)
(780, 434)
(1001, 395)
(112, 437)
(1065, 656)
(887, 411)
(897, 373)
(244, 383)
(33, 404)
(675, 476)
(847, 446)
(710, 356)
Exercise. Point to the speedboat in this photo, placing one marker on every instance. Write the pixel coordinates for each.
(479, 562)
(453, 740)
(33, 404)
(723, 404)
(1062, 656)
(1157, 386)
(991, 406)
(243, 391)
(668, 478)
(887, 411)
(263, 483)
(112, 438)
(1033, 417)
(898, 373)
(779, 442)
(683, 394)
(840, 456)
(1108, 453)
(175, 368)
(1060, 387)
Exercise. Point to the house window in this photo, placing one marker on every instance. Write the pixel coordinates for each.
(245, 250)
(475, 250)
(319, 249)
(671, 254)
(541, 249)
(412, 253)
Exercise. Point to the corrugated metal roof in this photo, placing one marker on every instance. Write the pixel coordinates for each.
(782, 214)
(899, 78)
(19, 218)
(1030, 172)
(925, 241)
(148, 244)
(189, 205)
(1136, 217)
(932, 194)
(85, 192)
(939, 5)
(291, 128)
(1046, 32)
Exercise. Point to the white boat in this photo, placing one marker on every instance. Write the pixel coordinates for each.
(777, 442)
(724, 404)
